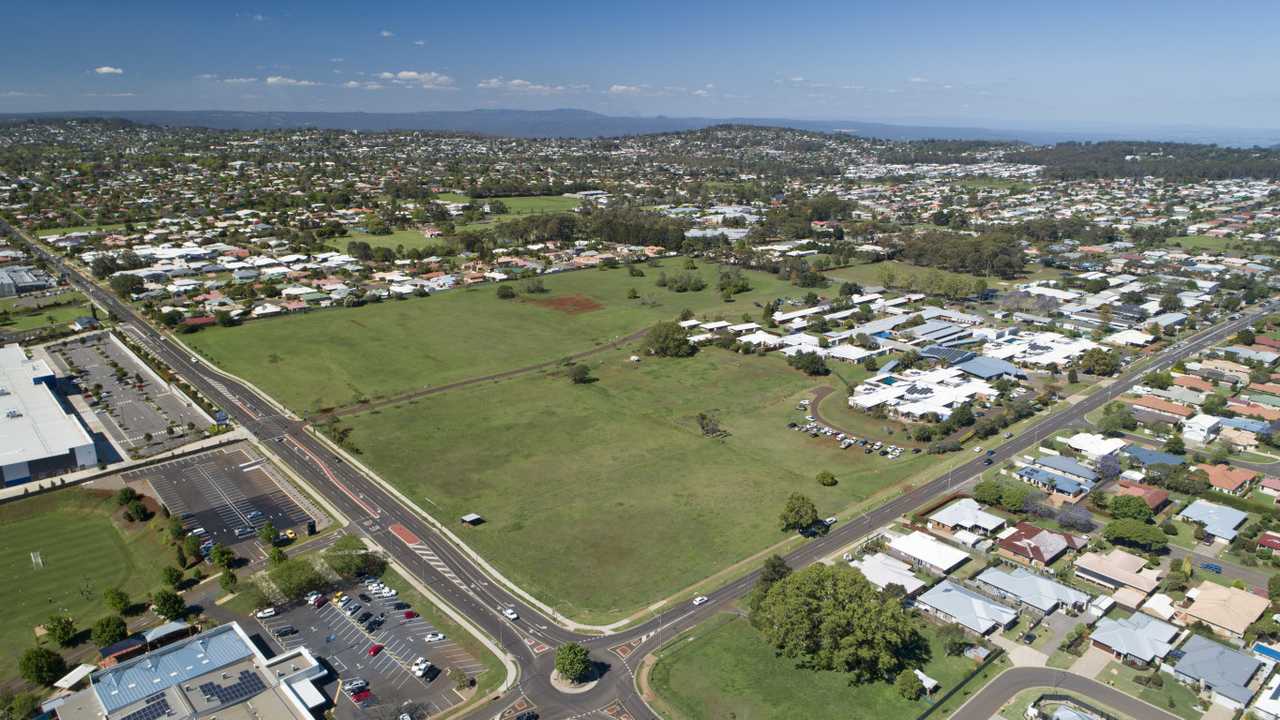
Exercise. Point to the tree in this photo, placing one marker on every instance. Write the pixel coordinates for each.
(775, 568)
(810, 363)
(987, 492)
(667, 339)
(579, 374)
(953, 639)
(171, 575)
(1097, 361)
(349, 557)
(221, 556)
(1013, 496)
(1273, 587)
(116, 599)
(277, 556)
(61, 629)
(1135, 533)
(228, 581)
(41, 666)
(267, 534)
(829, 617)
(908, 685)
(505, 292)
(168, 604)
(295, 577)
(826, 478)
(126, 285)
(1129, 507)
(1174, 445)
(799, 513)
(110, 629)
(126, 495)
(573, 662)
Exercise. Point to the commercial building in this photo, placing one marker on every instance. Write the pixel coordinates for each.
(37, 436)
(218, 673)
(16, 280)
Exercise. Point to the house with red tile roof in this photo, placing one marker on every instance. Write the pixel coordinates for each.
(1227, 479)
(1036, 546)
(1174, 412)
(1191, 382)
(1154, 497)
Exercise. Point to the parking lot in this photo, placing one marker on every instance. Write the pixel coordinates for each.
(344, 643)
(140, 412)
(225, 491)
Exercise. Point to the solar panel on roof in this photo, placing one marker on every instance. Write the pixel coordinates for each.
(248, 685)
(156, 707)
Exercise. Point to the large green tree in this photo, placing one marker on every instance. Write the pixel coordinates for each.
(799, 513)
(667, 339)
(1135, 533)
(573, 662)
(61, 629)
(41, 666)
(109, 629)
(1129, 507)
(829, 617)
(168, 604)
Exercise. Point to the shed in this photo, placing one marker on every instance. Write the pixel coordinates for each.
(472, 519)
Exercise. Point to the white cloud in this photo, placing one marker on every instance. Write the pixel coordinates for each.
(363, 85)
(19, 93)
(425, 79)
(524, 86)
(387, 34)
(335, 60)
(419, 43)
(113, 95)
(701, 93)
(625, 89)
(918, 79)
(289, 82)
(108, 70)
(239, 80)
(207, 76)
(258, 17)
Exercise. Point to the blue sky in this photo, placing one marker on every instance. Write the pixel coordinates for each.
(1004, 64)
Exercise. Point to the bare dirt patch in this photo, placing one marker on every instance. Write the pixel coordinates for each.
(569, 304)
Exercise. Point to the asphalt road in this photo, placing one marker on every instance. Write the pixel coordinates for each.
(1009, 683)
(454, 576)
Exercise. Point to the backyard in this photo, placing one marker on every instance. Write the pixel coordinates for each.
(1171, 696)
(603, 498)
(727, 670)
(82, 552)
(335, 357)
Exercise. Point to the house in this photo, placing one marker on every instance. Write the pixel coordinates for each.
(1035, 591)
(1095, 446)
(1155, 498)
(1051, 481)
(1036, 546)
(882, 571)
(952, 603)
(1224, 478)
(1222, 371)
(1201, 429)
(1137, 640)
(1267, 706)
(1153, 409)
(923, 550)
(1215, 670)
(1229, 611)
(1148, 457)
(1068, 467)
(965, 515)
(1239, 440)
(1125, 574)
(1270, 485)
(1219, 521)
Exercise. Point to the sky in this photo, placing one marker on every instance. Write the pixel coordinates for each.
(1043, 65)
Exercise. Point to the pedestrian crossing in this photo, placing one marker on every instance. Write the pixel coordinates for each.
(427, 554)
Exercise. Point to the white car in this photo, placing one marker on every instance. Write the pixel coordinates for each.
(387, 593)
(978, 449)
(420, 667)
(433, 637)
(829, 521)
(265, 613)
(355, 685)
(699, 600)
(510, 614)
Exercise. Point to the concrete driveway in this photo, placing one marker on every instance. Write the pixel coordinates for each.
(1019, 654)
(1091, 663)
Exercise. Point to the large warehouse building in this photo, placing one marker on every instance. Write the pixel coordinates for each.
(37, 437)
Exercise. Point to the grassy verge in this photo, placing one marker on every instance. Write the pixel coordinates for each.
(1172, 696)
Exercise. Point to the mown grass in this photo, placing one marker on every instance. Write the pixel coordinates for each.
(604, 498)
(335, 357)
(84, 553)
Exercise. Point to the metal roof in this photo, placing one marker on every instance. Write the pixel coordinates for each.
(127, 683)
(1227, 671)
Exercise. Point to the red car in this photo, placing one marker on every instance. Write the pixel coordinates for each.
(374, 649)
(361, 696)
(319, 602)
(410, 614)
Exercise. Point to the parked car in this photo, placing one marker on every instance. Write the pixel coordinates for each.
(410, 614)
(364, 617)
(284, 631)
(265, 613)
(1214, 568)
(701, 599)
(433, 637)
(364, 598)
(829, 521)
(374, 649)
(362, 696)
(420, 667)
(355, 685)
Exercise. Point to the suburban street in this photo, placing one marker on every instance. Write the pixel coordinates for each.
(452, 573)
(1013, 681)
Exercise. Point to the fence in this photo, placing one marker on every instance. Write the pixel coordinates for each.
(1077, 702)
(993, 656)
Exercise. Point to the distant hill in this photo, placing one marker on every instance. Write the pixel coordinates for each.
(584, 123)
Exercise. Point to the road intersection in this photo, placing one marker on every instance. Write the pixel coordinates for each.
(461, 579)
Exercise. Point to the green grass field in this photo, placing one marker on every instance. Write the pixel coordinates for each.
(727, 670)
(23, 318)
(84, 553)
(1204, 242)
(79, 228)
(410, 239)
(601, 499)
(904, 274)
(1172, 697)
(334, 357)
